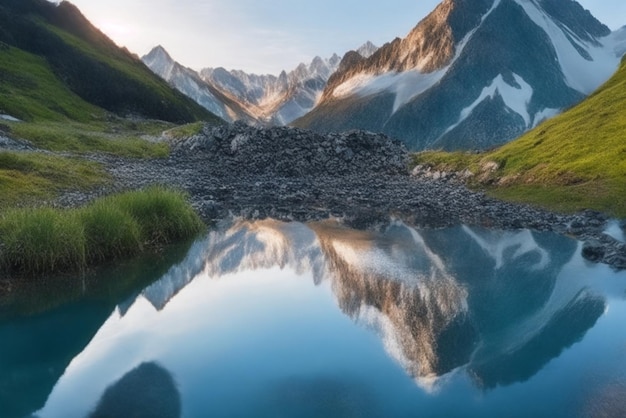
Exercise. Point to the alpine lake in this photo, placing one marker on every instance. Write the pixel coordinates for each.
(272, 319)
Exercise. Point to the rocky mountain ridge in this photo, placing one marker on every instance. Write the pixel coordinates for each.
(472, 74)
(256, 99)
(189, 82)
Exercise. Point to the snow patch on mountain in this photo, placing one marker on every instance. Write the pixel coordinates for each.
(186, 81)
(545, 114)
(584, 71)
(275, 100)
(516, 97)
(404, 85)
(619, 41)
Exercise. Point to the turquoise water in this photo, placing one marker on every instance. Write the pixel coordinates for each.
(270, 319)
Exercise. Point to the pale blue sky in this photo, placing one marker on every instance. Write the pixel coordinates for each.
(270, 35)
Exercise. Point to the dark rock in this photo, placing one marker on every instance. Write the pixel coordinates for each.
(593, 250)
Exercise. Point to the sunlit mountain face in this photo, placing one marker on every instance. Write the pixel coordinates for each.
(296, 314)
(473, 74)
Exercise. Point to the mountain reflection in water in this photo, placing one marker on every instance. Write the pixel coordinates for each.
(492, 305)
(147, 391)
(439, 299)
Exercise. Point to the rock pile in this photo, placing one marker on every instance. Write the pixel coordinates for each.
(291, 152)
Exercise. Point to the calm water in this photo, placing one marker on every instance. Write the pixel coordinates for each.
(290, 320)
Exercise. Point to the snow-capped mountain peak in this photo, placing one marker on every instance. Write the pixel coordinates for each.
(367, 49)
(472, 74)
(160, 62)
(189, 83)
(278, 99)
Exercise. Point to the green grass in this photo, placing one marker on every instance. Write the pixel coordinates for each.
(110, 232)
(163, 215)
(574, 161)
(447, 161)
(142, 84)
(30, 91)
(57, 119)
(185, 131)
(37, 241)
(30, 177)
(118, 138)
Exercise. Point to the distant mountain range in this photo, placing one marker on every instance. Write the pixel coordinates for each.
(257, 99)
(55, 65)
(473, 74)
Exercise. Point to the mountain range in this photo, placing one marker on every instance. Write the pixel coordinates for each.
(256, 99)
(473, 74)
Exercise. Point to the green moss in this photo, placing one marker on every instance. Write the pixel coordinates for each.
(185, 131)
(34, 176)
(118, 138)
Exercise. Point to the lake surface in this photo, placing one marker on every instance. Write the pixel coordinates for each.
(273, 319)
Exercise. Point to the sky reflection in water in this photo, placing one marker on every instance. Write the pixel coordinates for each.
(275, 319)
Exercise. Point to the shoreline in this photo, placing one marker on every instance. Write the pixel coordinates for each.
(294, 175)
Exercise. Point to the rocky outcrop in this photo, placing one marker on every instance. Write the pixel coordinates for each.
(293, 152)
(473, 74)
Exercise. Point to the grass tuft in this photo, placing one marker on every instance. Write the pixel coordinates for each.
(41, 240)
(185, 131)
(111, 233)
(163, 214)
(45, 240)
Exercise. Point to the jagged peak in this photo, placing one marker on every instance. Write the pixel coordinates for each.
(317, 60)
(159, 50)
(367, 49)
(578, 19)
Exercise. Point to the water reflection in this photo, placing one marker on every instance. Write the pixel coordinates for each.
(146, 391)
(45, 324)
(439, 299)
(495, 307)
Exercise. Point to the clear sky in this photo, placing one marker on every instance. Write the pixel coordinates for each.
(268, 36)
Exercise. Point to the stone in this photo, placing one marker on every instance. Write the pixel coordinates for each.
(593, 250)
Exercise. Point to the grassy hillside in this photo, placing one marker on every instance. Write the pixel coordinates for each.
(73, 88)
(576, 160)
(29, 90)
(52, 58)
(32, 178)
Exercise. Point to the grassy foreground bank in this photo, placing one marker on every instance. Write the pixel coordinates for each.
(45, 240)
